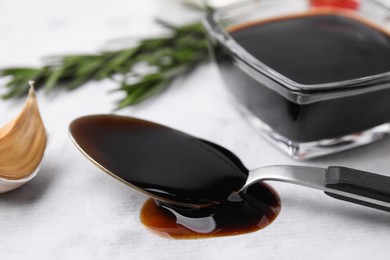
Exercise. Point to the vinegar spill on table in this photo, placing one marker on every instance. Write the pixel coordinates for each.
(251, 212)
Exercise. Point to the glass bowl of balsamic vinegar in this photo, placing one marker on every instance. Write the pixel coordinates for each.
(313, 79)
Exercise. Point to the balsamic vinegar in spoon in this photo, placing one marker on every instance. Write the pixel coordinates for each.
(191, 181)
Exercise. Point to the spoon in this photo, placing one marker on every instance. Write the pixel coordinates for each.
(179, 169)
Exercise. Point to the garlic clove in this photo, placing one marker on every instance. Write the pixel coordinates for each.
(22, 145)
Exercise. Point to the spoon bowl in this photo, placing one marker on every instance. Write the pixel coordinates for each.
(164, 163)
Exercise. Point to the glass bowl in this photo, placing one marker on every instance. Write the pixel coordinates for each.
(306, 117)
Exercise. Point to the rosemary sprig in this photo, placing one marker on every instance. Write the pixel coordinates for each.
(163, 58)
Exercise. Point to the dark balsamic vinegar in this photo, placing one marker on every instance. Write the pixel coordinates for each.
(159, 160)
(177, 168)
(317, 48)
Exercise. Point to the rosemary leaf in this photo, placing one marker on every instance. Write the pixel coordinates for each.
(53, 79)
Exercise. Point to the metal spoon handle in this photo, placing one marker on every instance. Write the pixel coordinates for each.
(342, 183)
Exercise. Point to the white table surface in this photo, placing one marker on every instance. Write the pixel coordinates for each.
(72, 210)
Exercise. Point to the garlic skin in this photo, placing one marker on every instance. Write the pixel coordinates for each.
(8, 185)
(22, 145)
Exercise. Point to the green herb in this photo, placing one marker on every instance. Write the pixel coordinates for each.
(163, 58)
